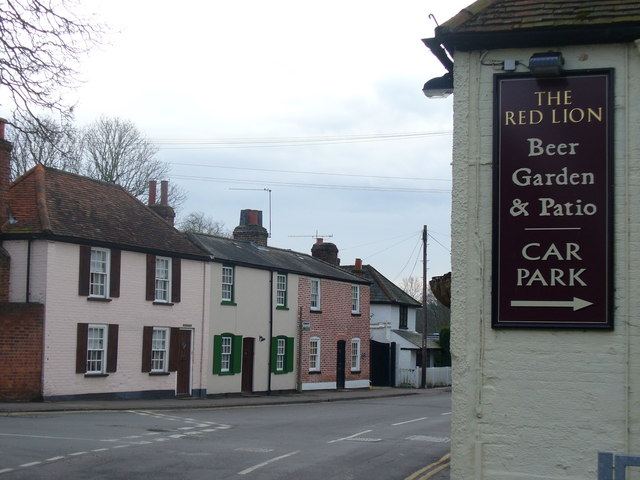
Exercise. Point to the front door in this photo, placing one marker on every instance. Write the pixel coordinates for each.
(340, 364)
(247, 364)
(183, 381)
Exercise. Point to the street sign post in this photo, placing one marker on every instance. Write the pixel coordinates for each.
(552, 204)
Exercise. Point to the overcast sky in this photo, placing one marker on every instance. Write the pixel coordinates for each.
(320, 102)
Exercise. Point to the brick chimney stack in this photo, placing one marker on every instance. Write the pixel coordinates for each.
(325, 251)
(357, 268)
(163, 209)
(5, 173)
(250, 228)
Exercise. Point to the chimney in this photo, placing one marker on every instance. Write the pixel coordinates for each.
(325, 251)
(357, 268)
(152, 192)
(5, 173)
(250, 228)
(163, 209)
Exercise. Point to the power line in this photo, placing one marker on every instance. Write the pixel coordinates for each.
(314, 185)
(310, 173)
(262, 142)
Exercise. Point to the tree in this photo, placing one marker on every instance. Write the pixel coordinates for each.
(198, 222)
(438, 316)
(115, 151)
(41, 42)
(110, 149)
(50, 144)
(413, 286)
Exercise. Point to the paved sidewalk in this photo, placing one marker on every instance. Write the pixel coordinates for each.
(215, 402)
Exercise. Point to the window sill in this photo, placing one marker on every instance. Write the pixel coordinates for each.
(95, 375)
(314, 372)
(227, 302)
(356, 372)
(158, 374)
(164, 304)
(356, 314)
(98, 299)
(280, 307)
(315, 311)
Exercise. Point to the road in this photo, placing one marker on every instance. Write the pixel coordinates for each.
(384, 438)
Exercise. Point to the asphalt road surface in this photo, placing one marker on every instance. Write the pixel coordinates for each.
(404, 438)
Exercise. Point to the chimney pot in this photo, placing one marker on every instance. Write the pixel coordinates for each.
(358, 264)
(152, 192)
(164, 192)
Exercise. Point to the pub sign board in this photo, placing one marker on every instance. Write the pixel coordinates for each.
(552, 201)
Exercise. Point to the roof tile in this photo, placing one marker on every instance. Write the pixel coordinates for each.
(52, 202)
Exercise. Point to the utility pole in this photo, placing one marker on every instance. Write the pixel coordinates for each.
(425, 350)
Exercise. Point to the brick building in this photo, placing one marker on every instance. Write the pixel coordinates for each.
(282, 320)
(102, 297)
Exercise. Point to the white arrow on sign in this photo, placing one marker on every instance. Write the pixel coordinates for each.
(576, 303)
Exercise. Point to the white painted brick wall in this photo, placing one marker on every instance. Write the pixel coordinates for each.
(540, 404)
(65, 309)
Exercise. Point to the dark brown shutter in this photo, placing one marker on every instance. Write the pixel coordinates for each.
(174, 349)
(112, 349)
(84, 271)
(81, 348)
(175, 280)
(147, 336)
(151, 278)
(114, 282)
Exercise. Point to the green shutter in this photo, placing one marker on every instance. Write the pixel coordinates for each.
(288, 355)
(217, 355)
(274, 354)
(236, 354)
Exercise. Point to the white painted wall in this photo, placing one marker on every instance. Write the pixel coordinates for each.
(64, 309)
(540, 404)
(250, 318)
(36, 270)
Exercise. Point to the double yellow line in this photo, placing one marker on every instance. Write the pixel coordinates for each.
(430, 470)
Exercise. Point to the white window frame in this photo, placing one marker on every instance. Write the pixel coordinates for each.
(281, 290)
(99, 272)
(163, 280)
(355, 354)
(314, 354)
(160, 349)
(355, 298)
(228, 275)
(97, 336)
(226, 345)
(280, 354)
(316, 296)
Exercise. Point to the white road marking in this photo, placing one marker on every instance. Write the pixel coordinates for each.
(26, 465)
(426, 438)
(75, 454)
(349, 437)
(446, 413)
(6, 470)
(53, 459)
(260, 465)
(409, 421)
(98, 450)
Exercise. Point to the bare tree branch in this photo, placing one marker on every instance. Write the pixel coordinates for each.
(41, 43)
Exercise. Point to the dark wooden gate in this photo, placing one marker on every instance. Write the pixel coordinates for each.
(382, 364)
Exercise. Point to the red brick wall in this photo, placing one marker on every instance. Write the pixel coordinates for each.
(334, 323)
(21, 344)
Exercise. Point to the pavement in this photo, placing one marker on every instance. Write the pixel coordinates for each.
(231, 401)
(217, 401)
